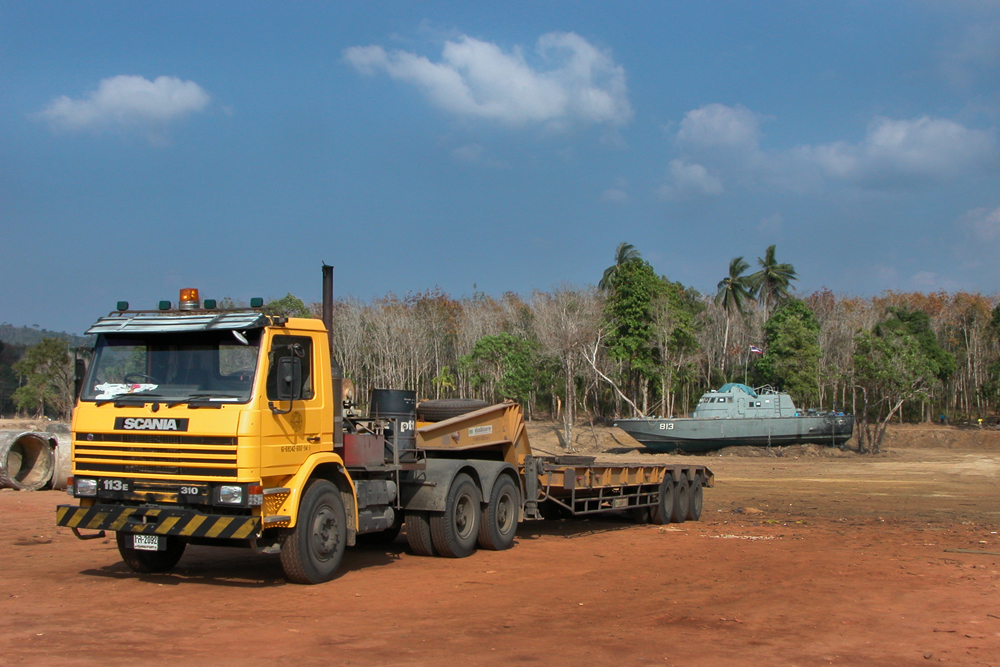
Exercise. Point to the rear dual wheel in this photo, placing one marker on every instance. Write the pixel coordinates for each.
(454, 531)
(498, 523)
(675, 502)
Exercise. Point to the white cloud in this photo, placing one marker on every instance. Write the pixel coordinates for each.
(983, 224)
(906, 152)
(127, 101)
(721, 126)
(720, 144)
(478, 79)
(688, 180)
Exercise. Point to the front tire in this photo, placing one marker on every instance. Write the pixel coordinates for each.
(312, 551)
(498, 524)
(455, 530)
(148, 562)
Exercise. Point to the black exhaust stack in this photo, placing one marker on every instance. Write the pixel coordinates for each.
(336, 371)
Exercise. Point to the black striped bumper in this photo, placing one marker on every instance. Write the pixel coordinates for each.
(158, 521)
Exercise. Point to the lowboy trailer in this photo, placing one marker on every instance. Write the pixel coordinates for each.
(199, 425)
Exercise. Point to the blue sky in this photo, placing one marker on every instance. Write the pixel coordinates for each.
(497, 147)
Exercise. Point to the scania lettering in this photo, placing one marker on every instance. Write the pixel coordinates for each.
(229, 427)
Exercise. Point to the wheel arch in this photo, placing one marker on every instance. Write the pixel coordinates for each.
(330, 467)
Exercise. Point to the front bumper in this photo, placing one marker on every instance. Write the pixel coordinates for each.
(158, 521)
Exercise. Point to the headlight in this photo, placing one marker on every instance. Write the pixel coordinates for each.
(85, 487)
(231, 495)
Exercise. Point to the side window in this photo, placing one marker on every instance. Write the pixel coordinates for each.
(287, 346)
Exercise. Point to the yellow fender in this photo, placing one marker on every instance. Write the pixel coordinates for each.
(335, 471)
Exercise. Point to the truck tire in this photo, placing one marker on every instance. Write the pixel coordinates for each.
(498, 524)
(682, 502)
(148, 562)
(661, 511)
(445, 408)
(455, 530)
(695, 499)
(418, 533)
(313, 549)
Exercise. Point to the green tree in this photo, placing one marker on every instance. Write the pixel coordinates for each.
(634, 288)
(674, 310)
(289, 306)
(625, 253)
(733, 291)
(791, 362)
(509, 362)
(900, 360)
(47, 373)
(772, 284)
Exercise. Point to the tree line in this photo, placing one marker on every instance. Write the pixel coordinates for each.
(638, 343)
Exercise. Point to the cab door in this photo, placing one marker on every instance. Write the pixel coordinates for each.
(290, 429)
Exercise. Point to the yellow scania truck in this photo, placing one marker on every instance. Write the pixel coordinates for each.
(228, 427)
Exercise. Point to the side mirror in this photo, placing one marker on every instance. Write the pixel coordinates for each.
(289, 382)
(289, 379)
(79, 372)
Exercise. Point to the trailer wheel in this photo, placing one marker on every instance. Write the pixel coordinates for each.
(437, 410)
(455, 530)
(312, 551)
(147, 562)
(418, 533)
(682, 502)
(661, 511)
(695, 499)
(498, 524)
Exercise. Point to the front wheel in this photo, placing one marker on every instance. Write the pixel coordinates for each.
(312, 551)
(147, 562)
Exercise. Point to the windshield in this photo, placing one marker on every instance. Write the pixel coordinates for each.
(205, 365)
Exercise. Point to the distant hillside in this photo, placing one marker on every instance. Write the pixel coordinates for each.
(32, 336)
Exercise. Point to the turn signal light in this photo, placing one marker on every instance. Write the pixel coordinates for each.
(189, 299)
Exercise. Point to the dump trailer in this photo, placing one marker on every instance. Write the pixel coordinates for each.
(230, 427)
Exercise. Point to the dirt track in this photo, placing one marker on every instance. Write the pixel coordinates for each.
(828, 558)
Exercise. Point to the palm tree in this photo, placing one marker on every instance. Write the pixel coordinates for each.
(733, 291)
(625, 253)
(771, 285)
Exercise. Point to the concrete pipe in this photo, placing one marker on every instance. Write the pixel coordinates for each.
(26, 460)
(61, 443)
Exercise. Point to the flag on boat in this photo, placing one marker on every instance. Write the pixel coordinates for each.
(756, 350)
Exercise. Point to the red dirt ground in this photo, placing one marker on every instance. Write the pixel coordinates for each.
(814, 557)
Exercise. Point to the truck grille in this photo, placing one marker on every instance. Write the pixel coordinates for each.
(148, 454)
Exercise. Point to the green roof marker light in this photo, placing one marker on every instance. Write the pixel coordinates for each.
(257, 302)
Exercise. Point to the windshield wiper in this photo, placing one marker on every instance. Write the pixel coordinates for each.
(128, 398)
(203, 400)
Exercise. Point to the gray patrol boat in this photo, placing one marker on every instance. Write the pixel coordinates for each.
(739, 415)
